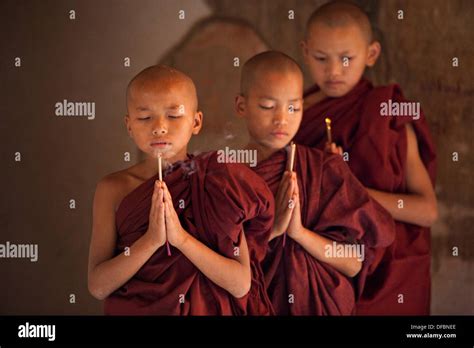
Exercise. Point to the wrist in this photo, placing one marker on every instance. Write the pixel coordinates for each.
(183, 239)
(296, 233)
(151, 240)
(276, 232)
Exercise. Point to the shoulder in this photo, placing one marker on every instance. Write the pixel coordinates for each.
(113, 187)
(335, 165)
(231, 176)
(303, 150)
(383, 93)
(310, 157)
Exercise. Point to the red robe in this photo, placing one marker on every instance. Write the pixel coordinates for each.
(214, 202)
(377, 147)
(335, 205)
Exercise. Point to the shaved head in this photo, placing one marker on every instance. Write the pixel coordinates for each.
(264, 63)
(162, 78)
(341, 13)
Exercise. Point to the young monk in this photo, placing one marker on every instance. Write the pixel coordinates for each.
(393, 156)
(320, 206)
(199, 211)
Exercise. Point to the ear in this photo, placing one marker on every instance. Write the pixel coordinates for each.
(239, 105)
(304, 50)
(128, 126)
(197, 125)
(373, 53)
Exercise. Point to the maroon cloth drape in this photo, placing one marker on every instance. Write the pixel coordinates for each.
(377, 148)
(214, 202)
(333, 204)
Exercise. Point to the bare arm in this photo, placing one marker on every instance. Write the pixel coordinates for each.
(107, 273)
(231, 274)
(420, 205)
(316, 245)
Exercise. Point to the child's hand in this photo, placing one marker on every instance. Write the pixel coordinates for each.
(156, 226)
(284, 203)
(333, 148)
(174, 231)
(295, 226)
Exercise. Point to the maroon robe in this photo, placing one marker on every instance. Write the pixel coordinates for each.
(214, 203)
(335, 205)
(377, 147)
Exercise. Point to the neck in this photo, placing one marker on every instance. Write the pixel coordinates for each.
(151, 162)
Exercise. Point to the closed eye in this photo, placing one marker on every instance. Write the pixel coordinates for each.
(174, 116)
(266, 107)
(144, 118)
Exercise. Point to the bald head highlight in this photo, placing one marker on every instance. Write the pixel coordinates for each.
(264, 63)
(341, 13)
(162, 77)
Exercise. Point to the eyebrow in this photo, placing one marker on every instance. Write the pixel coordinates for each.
(142, 108)
(321, 52)
(146, 108)
(291, 100)
(266, 97)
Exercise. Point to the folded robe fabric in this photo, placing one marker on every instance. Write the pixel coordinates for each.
(214, 202)
(377, 148)
(335, 205)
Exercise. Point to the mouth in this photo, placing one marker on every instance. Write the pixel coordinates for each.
(279, 134)
(334, 83)
(160, 144)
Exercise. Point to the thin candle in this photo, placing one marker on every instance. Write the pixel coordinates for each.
(160, 177)
(292, 163)
(328, 129)
(292, 155)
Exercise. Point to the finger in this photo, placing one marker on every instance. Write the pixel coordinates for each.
(157, 186)
(153, 200)
(161, 214)
(283, 180)
(284, 183)
(290, 188)
(167, 192)
(295, 209)
(327, 147)
(340, 151)
(167, 198)
(160, 196)
(167, 214)
(296, 187)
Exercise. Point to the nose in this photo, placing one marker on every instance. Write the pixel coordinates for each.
(334, 68)
(160, 127)
(280, 118)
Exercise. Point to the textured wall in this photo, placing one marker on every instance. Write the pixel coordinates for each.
(419, 54)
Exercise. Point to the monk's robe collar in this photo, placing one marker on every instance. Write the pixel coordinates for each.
(180, 170)
(361, 87)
